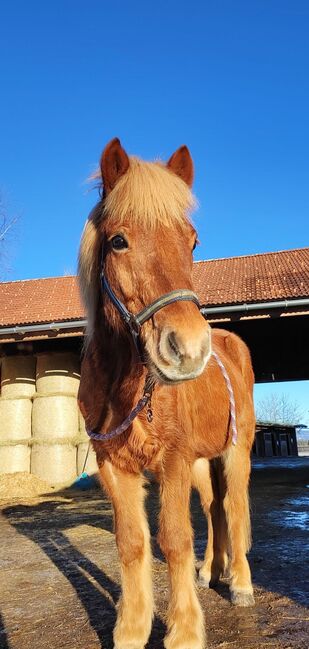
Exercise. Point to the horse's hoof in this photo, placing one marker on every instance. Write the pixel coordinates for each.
(203, 581)
(242, 598)
(203, 577)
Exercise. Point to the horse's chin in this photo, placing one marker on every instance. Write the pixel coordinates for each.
(170, 376)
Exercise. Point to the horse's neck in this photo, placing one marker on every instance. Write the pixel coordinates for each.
(119, 366)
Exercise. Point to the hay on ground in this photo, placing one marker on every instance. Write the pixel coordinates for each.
(22, 485)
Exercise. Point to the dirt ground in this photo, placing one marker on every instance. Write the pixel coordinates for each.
(59, 573)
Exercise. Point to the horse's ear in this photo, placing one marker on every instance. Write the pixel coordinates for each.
(114, 163)
(181, 164)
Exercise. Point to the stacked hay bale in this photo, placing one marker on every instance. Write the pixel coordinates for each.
(17, 389)
(55, 425)
(86, 457)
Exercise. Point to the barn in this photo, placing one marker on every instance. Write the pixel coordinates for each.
(264, 298)
(275, 440)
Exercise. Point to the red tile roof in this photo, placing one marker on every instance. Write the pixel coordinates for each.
(53, 299)
(235, 280)
(253, 278)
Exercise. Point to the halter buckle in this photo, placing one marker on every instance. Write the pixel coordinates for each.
(133, 325)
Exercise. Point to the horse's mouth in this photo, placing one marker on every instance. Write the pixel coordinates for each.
(161, 377)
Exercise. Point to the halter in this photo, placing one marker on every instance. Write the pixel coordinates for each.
(134, 323)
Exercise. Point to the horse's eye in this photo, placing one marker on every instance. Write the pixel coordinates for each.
(119, 242)
(195, 244)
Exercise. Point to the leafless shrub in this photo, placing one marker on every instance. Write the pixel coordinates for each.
(7, 234)
(279, 409)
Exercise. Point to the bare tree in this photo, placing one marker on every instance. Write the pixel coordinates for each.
(279, 409)
(7, 227)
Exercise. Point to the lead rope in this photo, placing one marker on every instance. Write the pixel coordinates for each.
(86, 459)
(146, 399)
(115, 432)
(231, 395)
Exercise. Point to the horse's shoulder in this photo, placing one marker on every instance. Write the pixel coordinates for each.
(225, 339)
(233, 348)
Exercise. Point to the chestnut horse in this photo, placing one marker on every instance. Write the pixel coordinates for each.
(136, 251)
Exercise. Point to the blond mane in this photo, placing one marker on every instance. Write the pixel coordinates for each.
(150, 194)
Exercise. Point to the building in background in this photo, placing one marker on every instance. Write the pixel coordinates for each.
(275, 440)
(263, 298)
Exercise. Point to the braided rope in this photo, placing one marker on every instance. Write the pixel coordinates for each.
(115, 432)
(231, 395)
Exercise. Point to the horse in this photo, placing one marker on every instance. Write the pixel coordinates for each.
(162, 391)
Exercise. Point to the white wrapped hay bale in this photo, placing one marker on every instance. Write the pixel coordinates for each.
(14, 458)
(82, 427)
(91, 466)
(18, 376)
(57, 372)
(15, 419)
(55, 463)
(54, 416)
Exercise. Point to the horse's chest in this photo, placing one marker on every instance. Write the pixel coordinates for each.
(137, 451)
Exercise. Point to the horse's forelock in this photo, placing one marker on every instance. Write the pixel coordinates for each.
(149, 194)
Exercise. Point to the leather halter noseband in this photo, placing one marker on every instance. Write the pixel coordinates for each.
(135, 321)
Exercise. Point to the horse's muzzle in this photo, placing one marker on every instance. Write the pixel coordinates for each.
(180, 356)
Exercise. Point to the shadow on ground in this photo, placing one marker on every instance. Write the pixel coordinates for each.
(46, 523)
(74, 531)
(4, 644)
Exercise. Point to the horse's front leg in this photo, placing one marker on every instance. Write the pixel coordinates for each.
(135, 610)
(185, 617)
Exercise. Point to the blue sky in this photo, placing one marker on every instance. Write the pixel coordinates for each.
(229, 78)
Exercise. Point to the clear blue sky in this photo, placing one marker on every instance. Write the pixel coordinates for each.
(229, 78)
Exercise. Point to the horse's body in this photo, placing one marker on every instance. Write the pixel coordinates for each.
(191, 418)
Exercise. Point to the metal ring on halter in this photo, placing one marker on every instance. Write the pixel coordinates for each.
(134, 325)
(135, 321)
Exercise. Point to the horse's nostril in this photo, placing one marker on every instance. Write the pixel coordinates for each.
(171, 339)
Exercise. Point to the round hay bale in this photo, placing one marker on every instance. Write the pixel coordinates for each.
(14, 458)
(55, 463)
(91, 466)
(54, 416)
(57, 372)
(18, 376)
(82, 425)
(15, 418)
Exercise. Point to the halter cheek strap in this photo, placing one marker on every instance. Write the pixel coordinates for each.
(135, 321)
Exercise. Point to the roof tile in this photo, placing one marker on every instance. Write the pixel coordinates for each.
(235, 280)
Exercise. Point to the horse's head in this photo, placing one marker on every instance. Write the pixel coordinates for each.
(142, 234)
